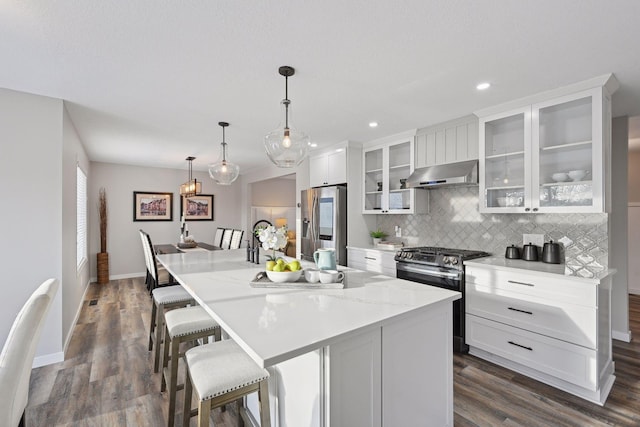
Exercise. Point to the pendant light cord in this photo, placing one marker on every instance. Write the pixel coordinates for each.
(286, 104)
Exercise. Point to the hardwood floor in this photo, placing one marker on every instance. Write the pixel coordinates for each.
(107, 378)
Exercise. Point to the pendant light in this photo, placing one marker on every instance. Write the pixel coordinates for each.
(223, 171)
(286, 146)
(192, 186)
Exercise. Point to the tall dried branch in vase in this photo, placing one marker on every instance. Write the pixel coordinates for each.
(102, 214)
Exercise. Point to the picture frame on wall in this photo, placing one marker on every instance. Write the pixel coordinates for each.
(197, 208)
(152, 206)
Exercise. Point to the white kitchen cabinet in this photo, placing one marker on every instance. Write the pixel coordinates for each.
(452, 141)
(328, 168)
(551, 327)
(547, 156)
(386, 169)
(373, 260)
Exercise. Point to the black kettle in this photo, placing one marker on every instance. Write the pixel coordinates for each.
(512, 252)
(530, 252)
(551, 253)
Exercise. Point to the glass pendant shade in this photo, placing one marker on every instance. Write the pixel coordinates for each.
(286, 146)
(223, 171)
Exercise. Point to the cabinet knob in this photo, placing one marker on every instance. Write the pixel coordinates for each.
(535, 209)
(527, 209)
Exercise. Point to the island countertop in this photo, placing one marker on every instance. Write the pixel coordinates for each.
(273, 325)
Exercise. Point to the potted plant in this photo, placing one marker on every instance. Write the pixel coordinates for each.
(102, 256)
(377, 236)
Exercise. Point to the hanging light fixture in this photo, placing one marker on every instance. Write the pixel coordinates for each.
(223, 171)
(191, 187)
(286, 146)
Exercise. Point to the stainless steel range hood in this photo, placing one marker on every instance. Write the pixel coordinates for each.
(460, 173)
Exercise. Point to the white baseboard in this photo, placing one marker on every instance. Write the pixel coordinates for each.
(47, 359)
(75, 319)
(120, 276)
(634, 291)
(621, 336)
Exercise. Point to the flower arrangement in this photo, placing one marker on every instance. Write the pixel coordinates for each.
(272, 238)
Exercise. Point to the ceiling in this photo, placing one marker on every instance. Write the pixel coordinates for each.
(146, 82)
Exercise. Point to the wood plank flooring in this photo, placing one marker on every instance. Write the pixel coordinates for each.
(107, 378)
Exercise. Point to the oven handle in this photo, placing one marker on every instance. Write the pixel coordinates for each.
(430, 272)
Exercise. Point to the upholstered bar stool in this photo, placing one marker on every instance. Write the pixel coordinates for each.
(183, 325)
(164, 299)
(220, 373)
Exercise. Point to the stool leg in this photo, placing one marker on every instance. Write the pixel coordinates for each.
(204, 410)
(173, 378)
(186, 408)
(263, 396)
(167, 341)
(152, 323)
(159, 331)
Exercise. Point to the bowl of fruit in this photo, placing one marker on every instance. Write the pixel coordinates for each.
(281, 271)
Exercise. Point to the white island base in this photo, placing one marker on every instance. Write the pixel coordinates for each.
(398, 374)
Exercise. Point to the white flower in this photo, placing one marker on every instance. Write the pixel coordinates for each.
(272, 238)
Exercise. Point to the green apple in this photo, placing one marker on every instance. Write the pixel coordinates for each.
(269, 265)
(294, 265)
(278, 267)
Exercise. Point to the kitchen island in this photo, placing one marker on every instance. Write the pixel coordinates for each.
(376, 353)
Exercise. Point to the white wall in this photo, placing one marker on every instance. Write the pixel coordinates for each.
(618, 249)
(31, 182)
(274, 192)
(634, 177)
(123, 241)
(74, 281)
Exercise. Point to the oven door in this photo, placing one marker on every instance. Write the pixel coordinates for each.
(430, 275)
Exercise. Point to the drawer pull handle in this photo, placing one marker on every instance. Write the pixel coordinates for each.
(520, 283)
(520, 311)
(368, 257)
(520, 345)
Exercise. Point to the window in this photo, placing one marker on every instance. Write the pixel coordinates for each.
(81, 220)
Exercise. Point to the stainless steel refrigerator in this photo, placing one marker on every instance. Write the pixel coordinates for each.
(324, 221)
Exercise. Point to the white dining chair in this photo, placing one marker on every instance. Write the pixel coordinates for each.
(236, 239)
(226, 238)
(16, 359)
(217, 240)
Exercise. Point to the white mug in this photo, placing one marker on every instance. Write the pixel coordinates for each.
(311, 275)
(330, 276)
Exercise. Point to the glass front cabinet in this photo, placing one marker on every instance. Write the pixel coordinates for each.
(546, 157)
(386, 169)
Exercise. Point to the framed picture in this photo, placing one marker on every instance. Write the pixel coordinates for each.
(197, 208)
(150, 206)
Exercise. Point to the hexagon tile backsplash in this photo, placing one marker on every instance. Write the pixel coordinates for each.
(453, 221)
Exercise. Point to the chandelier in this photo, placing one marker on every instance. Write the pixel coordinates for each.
(191, 187)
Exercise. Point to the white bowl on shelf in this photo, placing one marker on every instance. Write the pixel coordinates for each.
(284, 276)
(502, 201)
(577, 175)
(560, 176)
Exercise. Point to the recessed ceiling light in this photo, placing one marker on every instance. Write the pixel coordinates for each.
(373, 124)
(313, 145)
(483, 86)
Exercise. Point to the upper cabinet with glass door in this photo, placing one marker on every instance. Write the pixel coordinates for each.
(386, 169)
(548, 156)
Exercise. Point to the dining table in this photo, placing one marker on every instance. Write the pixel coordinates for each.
(376, 351)
(171, 248)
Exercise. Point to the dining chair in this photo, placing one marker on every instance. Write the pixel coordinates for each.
(221, 373)
(183, 325)
(157, 275)
(226, 238)
(217, 240)
(236, 239)
(16, 359)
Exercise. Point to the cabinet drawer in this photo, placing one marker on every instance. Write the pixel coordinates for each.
(373, 260)
(541, 286)
(573, 323)
(569, 362)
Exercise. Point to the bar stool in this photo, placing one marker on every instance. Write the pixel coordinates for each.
(183, 325)
(167, 298)
(220, 373)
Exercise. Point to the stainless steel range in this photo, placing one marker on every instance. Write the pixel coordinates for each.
(441, 267)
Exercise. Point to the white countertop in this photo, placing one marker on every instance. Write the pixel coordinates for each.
(535, 267)
(273, 325)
